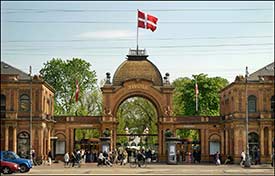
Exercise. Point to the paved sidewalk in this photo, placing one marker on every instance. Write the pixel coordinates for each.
(154, 169)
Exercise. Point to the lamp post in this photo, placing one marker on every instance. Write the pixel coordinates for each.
(247, 159)
(30, 113)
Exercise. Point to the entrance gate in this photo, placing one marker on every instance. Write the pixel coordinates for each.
(137, 76)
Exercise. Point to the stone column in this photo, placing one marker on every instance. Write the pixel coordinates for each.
(40, 144)
(236, 142)
(49, 140)
(72, 139)
(202, 135)
(270, 141)
(15, 139)
(206, 142)
(33, 138)
(226, 141)
(6, 138)
(67, 140)
(222, 142)
(262, 141)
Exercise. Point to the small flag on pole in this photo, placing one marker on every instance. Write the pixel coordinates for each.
(196, 89)
(76, 91)
(197, 93)
(147, 21)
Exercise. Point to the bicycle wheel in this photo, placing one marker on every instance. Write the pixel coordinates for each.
(142, 163)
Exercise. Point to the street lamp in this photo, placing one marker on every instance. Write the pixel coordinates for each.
(247, 159)
(31, 113)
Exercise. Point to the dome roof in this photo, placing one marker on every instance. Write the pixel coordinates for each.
(137, 67)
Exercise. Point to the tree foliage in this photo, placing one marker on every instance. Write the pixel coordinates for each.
(62, 75)
(208, 99)
(136, 114)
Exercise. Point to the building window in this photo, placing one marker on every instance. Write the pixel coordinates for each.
(252, 103)
(214, 147)
(60, 147)
(3, 106)
(23, 144)
(24, 103)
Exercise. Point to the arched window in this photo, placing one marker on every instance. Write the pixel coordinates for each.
(24, 102)
(23, 144)
(3, 106)
(252, 100)
(253, 141)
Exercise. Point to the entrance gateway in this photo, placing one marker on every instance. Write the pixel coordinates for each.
(137, 76)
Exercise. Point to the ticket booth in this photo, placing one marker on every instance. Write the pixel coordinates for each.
(105, 144)
(171, 143)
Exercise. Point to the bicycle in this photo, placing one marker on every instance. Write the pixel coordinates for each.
(134, 162)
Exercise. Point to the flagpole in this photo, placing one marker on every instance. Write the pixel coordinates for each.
(137, 31)
(196, 87)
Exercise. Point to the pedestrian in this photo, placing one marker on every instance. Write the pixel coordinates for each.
(257, 156)
(100, 159)
(66, 159)
(34, 157)
(50, 157)
(217, 158)
(242, 158)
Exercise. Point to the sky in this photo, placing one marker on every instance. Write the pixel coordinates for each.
(215, 38)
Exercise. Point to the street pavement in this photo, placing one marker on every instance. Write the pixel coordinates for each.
(151, 169)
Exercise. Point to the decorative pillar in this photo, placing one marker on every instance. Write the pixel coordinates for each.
(67, 140)
(49, 140)
(222, 142)
(33, 138)
(6, 138)
(202, 141)
(270, 141)
(206, 143)
(236, 142)
(15, 139)
(40, 143)
(262, 141)
(226, 141)
(72, 139)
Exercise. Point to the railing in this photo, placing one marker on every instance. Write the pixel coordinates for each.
(192, 119)
(79, 119)
(134, 52)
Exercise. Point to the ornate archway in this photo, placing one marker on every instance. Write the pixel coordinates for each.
(137, 76)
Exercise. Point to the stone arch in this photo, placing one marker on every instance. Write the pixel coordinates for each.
(138, 94)
(137, 77)
(60, 143)
(214, 141)
(23, 143)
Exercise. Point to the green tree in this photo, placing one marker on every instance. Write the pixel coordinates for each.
(62, 75)
(137, 113)
(184, 95)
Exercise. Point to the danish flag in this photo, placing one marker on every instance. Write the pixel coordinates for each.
(196, 89)
(76, 91)
(147, 21)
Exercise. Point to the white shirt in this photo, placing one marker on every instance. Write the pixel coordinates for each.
(243, 155)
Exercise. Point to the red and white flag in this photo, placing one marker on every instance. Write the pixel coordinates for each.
(76, 91)
(147, 21)
(196, 89)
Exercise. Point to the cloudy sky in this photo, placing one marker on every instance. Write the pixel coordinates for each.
(216, 38)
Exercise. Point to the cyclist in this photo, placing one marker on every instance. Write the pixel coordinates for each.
(140, 158)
